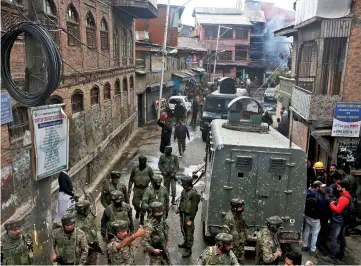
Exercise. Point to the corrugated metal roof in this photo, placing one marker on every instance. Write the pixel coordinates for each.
(223, 19)
(190, 43)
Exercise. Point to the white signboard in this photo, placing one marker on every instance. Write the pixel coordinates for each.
(347, 120)
(51, 140)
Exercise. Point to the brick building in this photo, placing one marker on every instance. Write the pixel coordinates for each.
(325, 65)
(97, 88)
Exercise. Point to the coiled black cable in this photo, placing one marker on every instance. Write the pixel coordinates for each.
(52, 56)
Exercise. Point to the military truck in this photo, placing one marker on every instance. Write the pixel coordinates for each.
(215, 105)
(254, 162)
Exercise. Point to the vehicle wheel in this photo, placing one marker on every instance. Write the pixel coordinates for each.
(204, 136)
(265, 99)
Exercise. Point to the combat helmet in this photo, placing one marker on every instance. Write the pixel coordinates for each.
(187, 181)
(274, 220)
(237, 203)
(82, 206)
(117, 195)
(224, 239)
(115, 174)
(13, 224)
(67, 219)
(156, 207)
(119, 225)
(157, 180)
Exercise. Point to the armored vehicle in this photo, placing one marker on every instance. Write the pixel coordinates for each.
(254, 162)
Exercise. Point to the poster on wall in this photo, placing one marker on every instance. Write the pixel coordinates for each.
(347, 120)
(349, 153)
(51, 140)
(6, 109)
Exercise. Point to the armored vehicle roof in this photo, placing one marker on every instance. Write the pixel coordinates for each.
(223, 136)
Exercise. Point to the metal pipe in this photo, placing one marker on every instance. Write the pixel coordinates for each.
(215, 58)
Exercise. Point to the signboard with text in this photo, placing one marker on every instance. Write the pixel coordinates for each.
(6, 109)
(51, 140)
(347, 120)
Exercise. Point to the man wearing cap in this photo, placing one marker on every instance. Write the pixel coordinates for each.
(15, 247)
(110, 186)
(141, 176)
(70, 246)
(219, 254)
(235, 225)
(313, 214)
(268, 249)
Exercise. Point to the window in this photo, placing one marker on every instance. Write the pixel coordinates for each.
(94, 96)
(51, 19)
(210, 33)
(20, 124)
(227, 55)
(72, 23)
(90, 30)
(131, 82)
(130, 48)
(116, 46)
(125, 84)
(124, 46)
(226, 33)
(55, 100)
(49, 8)
(107, 91)
(241, 52)
(104, 42)
(117, 87)
(77, 102)
(241, 34)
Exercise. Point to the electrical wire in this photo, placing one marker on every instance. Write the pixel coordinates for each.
(51, 54)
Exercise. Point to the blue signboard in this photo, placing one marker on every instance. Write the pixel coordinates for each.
(347, 120)
(6, 109)
(189, 60)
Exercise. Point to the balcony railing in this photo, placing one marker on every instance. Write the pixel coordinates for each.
(145, 9)
(285, 89)
(313, 107)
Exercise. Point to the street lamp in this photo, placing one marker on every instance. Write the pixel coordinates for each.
(215, 59)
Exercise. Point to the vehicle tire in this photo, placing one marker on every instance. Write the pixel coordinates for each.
(265, 99)
(204, 136)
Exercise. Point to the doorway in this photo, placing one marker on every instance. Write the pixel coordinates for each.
(140, 109)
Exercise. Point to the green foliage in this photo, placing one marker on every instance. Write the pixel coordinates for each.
(275, 78)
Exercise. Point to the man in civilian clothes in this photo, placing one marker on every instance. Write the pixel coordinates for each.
(180, 133)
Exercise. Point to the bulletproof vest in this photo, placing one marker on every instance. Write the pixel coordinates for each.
(185, 204)
(239, 228)
(14, 251)
(87, 225)
(67, 246)
(262, 236)
(157, 195)
(141, 178)
(123, 256)
(158, 236)
(212, 257)
(117, 213)
(110, 187)
(169, 163)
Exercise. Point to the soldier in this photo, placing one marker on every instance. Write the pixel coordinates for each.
(268, 249)
(120, 250)
(141, 176)
(15, 247)
(220, 254)
(109, 187)
(188, 207)
(117, 210)
(168, 164)
(235, 225)
(86, 223)
(156, 192)
(156, 239)
(69, 243)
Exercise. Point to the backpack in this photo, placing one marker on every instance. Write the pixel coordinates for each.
(349, 211)
(312, 207)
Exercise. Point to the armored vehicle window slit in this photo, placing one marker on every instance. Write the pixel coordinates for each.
(244, 163)
(277, 165)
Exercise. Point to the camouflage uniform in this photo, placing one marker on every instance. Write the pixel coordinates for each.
(72, 248)
(210, 256)
(113, 213)
(109, 187)
(151, 195)
(236, 226)
(123, 256)
(14, 249)
(168, 165)
(266, 248)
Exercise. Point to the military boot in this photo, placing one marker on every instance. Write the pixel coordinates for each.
(187, 253)
(173, 201)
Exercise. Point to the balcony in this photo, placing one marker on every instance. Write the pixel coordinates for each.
(313, 107)
(145, 9)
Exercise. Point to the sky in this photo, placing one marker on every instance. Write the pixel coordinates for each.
(187, 14)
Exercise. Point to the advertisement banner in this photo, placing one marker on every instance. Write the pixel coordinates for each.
(347, 120)
(6, 109)
(51, 140)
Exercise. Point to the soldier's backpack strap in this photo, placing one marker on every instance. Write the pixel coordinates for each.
(209, 254)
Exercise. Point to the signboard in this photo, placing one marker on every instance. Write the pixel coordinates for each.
(189, 60)
(51, 140)
(347, 120)
(6, 109)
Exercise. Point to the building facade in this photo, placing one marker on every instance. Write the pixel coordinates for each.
(97, 88)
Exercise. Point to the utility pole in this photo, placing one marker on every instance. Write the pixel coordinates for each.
(35, 77)
(163, 58)
(215, 56)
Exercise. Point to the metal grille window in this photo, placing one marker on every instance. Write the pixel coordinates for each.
(77, 104)
(116, 47)
(124, 46)
(72, 23)
(130, 48)
(210, 33)
(241, 34)
(307, 66)
(241, 53)
(104, 42)
(49, 8)
(117, 87)
(277, 164)
(107, 91)
(244, 163)
(227, 55)
(125, 84)
(94, 96)
(226, 33)
(131, 82)
(90, 30)
(20, 123)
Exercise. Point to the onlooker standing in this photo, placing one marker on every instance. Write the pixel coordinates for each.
(266, 118)
(167, 128)
(350, 179)
(321, 174)
(180, 133)
(312, 218)
(195, 109)
(325, 214)
(293, 258)
(340, 219)
(179, 111)
(333, 175)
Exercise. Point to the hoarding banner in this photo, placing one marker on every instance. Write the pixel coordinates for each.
(347, 120)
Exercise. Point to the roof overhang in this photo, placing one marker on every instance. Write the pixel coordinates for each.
(286, 31)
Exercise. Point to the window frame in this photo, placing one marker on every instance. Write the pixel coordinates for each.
(104, 35)
(81, 103)
(73, 26)
(90, 30)
(20, 121)
(94, 96)
(117, 88)
(107, 91)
